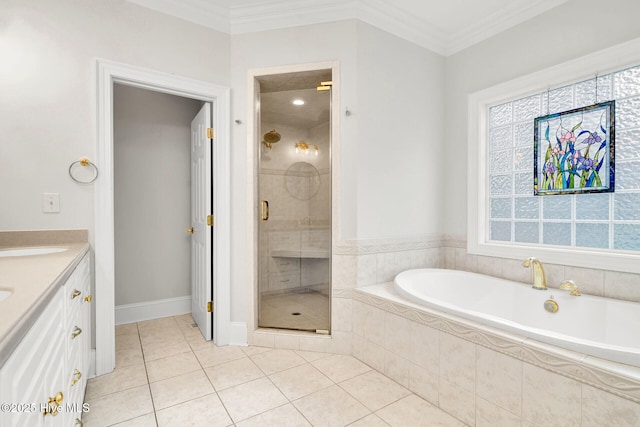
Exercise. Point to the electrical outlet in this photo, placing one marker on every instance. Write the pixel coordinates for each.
(51, 203)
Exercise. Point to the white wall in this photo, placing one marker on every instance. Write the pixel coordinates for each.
(314, 43)
(400, 136)
(48, 87)
(385, 144)
(571, 30)
(152, 152)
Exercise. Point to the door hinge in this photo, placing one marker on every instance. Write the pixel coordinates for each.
(324, 86)
(210, 307)
(210, 220)
(210, 133)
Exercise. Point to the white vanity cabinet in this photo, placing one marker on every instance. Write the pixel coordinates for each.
(51, 362)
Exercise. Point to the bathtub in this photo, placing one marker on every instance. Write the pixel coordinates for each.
(600, 327)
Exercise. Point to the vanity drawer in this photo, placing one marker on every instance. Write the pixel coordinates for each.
(282, 281)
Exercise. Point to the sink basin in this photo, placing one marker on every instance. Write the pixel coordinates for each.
(4, 295)
(30, 251)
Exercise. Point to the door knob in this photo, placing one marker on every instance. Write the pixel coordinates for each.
(189, 230)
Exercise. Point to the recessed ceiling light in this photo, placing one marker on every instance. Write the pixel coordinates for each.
(297, 102)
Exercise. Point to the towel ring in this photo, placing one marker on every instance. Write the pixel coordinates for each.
(83, 162)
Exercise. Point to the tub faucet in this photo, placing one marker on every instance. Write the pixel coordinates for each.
(539, 280)
(570, 285)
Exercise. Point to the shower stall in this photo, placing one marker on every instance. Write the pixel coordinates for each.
(294, 196)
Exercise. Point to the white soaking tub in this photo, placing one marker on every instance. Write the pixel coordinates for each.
(600, 327)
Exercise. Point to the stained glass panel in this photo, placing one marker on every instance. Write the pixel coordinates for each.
(574, 151)
(595, 215)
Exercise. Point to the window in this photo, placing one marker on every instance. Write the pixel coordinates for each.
(505, 218)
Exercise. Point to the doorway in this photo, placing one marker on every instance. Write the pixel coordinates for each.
(109, 74)
(152, 190)
(294, 192)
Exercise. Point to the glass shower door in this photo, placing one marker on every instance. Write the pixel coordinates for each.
(294, 186)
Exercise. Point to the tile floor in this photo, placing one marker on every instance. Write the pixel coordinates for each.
(313, 310)
(167, 375)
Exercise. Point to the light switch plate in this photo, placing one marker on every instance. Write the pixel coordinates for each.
(51, 203)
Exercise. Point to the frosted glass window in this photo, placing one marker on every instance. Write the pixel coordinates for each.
(628, 113)
(501, 185)
(523, 134)
(556, 207)
(527, 207)
(557, 233)
(592, 206)
(589, 235)
(523, 159)
(501, 138)
(606, 220)
(628, 175)
(626, 236)
(524, 183)
(627, 83)
(627, 207)
(501, 115)
(526, 108)
(500, 230)
(500, 208)
(527, 232)
(629, 140)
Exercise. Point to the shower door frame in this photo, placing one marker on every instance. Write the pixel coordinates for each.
(253, 153)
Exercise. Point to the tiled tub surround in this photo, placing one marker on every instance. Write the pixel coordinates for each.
(603, 283)
(484, 376)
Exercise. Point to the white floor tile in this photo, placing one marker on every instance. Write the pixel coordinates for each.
(282, 416)
(230, 374)
(180, 389)
(252, 398)
(331, 406)
(203, 411)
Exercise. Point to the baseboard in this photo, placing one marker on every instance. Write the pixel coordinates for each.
(148, 310)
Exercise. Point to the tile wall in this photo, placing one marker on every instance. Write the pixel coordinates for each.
(610, 284)
(475, 383)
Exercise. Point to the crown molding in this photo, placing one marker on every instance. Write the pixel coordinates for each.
(279, 14)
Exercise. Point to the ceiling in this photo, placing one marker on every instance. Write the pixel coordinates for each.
(443, 26)
(277, 91)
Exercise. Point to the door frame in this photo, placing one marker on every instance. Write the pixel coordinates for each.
(109, 73)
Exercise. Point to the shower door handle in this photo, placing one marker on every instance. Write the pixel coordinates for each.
(264, 210)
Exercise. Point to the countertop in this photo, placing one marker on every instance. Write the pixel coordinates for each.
(33, 280)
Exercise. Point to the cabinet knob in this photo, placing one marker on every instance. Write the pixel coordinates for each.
(88, 298)
(79, 422)
(53, 403)
(76, 331)
(75, 293)
(76, 377)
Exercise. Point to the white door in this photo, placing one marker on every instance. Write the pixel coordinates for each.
(201, 207)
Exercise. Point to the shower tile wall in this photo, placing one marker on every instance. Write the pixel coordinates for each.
(294, 224)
